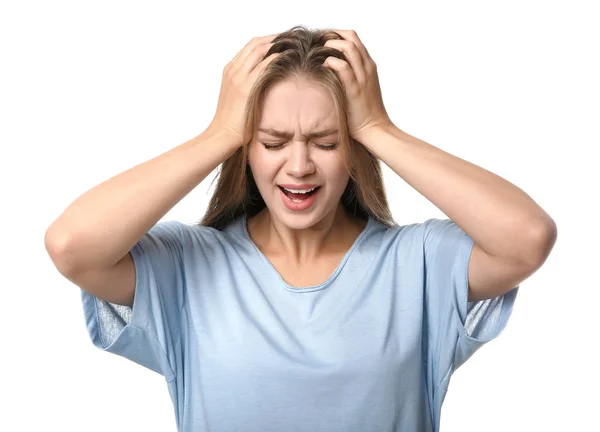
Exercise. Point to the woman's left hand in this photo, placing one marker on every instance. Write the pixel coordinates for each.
(365, 103)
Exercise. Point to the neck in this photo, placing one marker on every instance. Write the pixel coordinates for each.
(332, 234)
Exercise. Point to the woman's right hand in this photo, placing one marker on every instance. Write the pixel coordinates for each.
(239, 75)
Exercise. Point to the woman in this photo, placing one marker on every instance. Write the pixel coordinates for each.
(297, 303)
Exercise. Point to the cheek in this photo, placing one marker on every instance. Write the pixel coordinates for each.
(336, 171)
(264, 166)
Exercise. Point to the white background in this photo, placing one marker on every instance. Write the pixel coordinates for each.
(89, 89)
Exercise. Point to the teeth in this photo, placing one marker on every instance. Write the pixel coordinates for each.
(300, 190)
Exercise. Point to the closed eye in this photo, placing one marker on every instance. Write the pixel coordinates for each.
(327, 146)
(274, 146)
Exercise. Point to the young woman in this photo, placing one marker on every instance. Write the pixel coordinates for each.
(297, 304)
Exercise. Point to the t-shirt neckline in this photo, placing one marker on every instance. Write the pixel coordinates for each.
(244, 228)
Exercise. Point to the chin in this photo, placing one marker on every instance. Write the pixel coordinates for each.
(297, 221)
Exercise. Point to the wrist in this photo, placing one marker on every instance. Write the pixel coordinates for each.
(373, 137)
(226, 138)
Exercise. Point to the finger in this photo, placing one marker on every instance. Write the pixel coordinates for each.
(351, 35)
(261, 67)
(353, 55)
(240, 58)
(345, 72)
(253, 59)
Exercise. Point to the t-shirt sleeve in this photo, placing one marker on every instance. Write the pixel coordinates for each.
(147, 332)
(456, 327)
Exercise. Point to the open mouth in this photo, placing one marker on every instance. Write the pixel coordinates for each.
(299, 195)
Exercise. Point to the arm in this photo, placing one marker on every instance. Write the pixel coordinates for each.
(103, 224)
(90, 241)
(513, 235)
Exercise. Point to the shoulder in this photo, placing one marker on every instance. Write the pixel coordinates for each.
(420, 237)
(196, 238)
(410, 231)
(444, 234)
(188, 236)
(193, 234)
(429, 229)
(392, 242)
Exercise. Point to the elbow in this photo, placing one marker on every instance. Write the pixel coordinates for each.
(543, 240)
(58, 247)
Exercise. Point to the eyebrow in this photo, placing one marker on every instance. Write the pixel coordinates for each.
(288, 135)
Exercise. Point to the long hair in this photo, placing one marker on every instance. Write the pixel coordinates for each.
(302, 56)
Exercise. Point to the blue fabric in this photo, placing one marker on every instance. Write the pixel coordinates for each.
(370, 349)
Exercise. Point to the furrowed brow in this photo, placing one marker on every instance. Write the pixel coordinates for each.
(288, 135)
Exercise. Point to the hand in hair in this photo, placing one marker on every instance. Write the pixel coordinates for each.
(359, 75)
(238, 78)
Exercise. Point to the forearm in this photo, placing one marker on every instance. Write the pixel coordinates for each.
(103, 224)
(496, 214)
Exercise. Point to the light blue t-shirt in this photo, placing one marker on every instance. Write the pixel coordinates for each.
(370, 349)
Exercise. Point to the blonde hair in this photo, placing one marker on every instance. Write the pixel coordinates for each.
(302, 56)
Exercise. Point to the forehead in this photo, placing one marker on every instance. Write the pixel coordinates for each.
(298, 105)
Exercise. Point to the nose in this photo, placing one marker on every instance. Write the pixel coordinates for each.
(299, 163)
